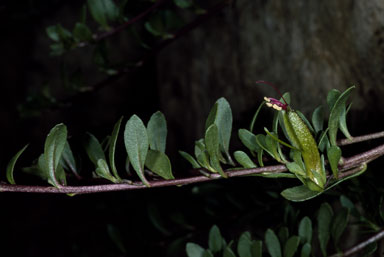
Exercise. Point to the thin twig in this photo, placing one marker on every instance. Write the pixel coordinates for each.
(120, 187)
(349, 163)
(124, 25)
(359, 139)
(155, 50)
(362, 245)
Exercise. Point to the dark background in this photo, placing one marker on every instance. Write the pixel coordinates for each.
(306, 48)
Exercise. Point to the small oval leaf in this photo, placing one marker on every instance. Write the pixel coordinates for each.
(291, 246)
(159, 163)
(336, 111)
(249, 140)
(334, 155)
(53, 149)
(244, 160)
(305, 230)
(157, 132)
(324, 219)
(215, 241)
(318, 118)
(94, 149)
(136, 144)
(339, 224)
(273, 244)
(299, 193)
(194, 250)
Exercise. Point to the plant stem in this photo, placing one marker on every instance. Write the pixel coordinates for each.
(124, 25)
(361, 245)
(156, 49)
(349, 163)
(359, 139)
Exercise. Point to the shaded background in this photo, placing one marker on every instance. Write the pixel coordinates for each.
(304, 47)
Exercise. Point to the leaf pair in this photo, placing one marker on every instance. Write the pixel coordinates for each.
(213, 149)
(146, 146)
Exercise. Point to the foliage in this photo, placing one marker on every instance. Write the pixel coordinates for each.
(307, 236)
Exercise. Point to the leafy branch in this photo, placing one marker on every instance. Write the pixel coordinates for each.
(351, 162)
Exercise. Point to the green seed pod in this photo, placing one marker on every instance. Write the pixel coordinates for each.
(302, 139)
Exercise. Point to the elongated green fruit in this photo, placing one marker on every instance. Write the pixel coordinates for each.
(302, 139)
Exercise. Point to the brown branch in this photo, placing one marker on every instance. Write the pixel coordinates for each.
(359, 139)
(123, 26)
(361, 245)
(349, 163)
(120, 187)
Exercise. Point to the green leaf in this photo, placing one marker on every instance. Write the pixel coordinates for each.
(257, 248)
(81, 32)
(112, 148)
(261, 141)
(339, 224)
(295, 168)
(334, 155)
(306, 250)
(272, 145)
(136, 144)
(283, 234)
(94, 149)
(332, 96)
(244, 245)
(199, 146)
(157, 218)
(228, 252)
(343, 122)
(159, 163)
(183, 3)
(302, 193)
(207, 253)
(212, 146)
(52, 33)
(305, 230)
(116, 237)
(103, 171)
(157, 132)
(103, 11)
(156, 26)
(53, 148)
(291, 246)
(194, 250)
(299, 193)
(215, 239)
(223, 121)
(11, 165)
(190, 158)
(244, 160)
(336, 111)
(203, 159)
(68, 160)
(318, 119)
(249, 140)
(273, 244)
(324, 219)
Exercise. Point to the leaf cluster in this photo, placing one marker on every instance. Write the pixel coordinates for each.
(145, 147)
(319, 236)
